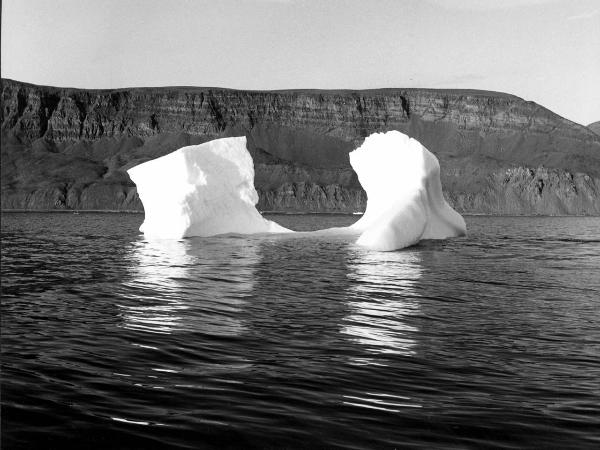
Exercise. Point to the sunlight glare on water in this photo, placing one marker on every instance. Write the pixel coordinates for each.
(378, 318)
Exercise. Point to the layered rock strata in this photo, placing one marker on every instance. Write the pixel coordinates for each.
(499, 154)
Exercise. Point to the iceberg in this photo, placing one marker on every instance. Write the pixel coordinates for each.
(201, 190)
(404, 194)
(208, 189)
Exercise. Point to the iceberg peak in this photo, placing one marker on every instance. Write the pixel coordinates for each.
(404, 194)
(201, 190)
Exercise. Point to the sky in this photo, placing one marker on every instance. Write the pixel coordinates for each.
(547, 51)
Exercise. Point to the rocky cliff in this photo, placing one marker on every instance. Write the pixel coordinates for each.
(595, 127)
(69, 148)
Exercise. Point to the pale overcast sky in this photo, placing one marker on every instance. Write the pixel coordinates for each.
(547, 51)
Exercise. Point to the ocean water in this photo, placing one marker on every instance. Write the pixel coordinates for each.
(111, 341)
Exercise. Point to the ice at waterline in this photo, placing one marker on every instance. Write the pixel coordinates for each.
(208, 189)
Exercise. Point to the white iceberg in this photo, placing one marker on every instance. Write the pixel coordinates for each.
(404, 194)
(208, 189)
(201, 190)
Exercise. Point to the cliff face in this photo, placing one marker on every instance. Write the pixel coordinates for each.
(69, 148)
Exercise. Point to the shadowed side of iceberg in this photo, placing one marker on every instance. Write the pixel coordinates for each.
(201, 190)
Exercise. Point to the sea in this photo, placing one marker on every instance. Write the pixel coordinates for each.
(296, 341)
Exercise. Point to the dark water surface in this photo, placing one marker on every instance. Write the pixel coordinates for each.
(111, 341)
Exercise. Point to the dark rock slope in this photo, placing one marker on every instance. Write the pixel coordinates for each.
(595, 127)
(69, 148)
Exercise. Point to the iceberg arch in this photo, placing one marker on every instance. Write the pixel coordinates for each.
(208, 189)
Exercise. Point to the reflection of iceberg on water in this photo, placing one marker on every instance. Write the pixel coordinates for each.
(157, 306)
(381, 299)
(184, 286)
(208, 189)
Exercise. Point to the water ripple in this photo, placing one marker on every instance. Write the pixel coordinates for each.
(303, 341)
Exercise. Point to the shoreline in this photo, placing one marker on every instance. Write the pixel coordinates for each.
(282, 213)
(72, 211)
